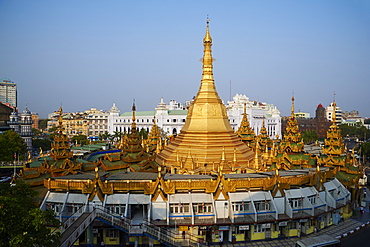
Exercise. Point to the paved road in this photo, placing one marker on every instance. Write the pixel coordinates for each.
(360, 238)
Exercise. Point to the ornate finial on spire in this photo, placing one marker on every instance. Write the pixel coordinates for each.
(208, 20)
(207, 37)
(133, 106)
(334, 117)
(293, 104)
(223, 154)
(133, 116)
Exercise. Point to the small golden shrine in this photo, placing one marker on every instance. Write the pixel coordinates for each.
(133, 154)
(290, 154)
(60, 148)
(292, 140)
(207, 141)
(245, 132)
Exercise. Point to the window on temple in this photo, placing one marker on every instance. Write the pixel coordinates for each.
(241, 206)
(202, 208)
(296, 202)
(179, 208)
(262, 205)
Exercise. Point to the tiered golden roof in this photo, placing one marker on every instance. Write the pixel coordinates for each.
(154, 139)
(245, 132)
(60, 148)
(133, 154)
(207, 131)
(292, 141)
(333, 144)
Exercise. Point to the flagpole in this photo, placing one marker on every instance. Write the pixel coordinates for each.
(15, 158)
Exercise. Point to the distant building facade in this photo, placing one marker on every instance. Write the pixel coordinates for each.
(352, 118)
(259, 114)
(8, 92)
(338, 113)
(90, 123)
(171, 118)
(301, 114)
(5, 111)
(319, 123)
(97, 122)
(22, 124)
(35, 119)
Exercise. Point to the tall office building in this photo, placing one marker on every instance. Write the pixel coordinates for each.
(8, 92)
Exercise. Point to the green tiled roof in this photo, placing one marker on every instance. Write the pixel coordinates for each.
(35, 164)
(178, 112)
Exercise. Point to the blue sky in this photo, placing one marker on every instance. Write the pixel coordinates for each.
(85, 54)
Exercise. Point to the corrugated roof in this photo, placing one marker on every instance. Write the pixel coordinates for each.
(79, 176)
(245, 175)
(133, 176)
(186, 177)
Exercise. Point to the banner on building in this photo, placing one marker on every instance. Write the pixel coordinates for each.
(265, 226)
(283, 223)
(243, 228)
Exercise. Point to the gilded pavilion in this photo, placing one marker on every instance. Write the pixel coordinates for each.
(207, 182)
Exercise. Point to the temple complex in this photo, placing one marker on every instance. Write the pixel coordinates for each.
(207, 182)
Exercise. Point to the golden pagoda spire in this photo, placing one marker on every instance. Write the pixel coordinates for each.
(334, 117)
(60, 119)
(333, 144)
(207, 128)
(292, 141)
(245, 132)
(133, 125)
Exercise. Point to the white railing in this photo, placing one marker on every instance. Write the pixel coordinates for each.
(64, 226)
(79, 230)
(161, 234)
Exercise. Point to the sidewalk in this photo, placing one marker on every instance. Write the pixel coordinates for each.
(341, 230)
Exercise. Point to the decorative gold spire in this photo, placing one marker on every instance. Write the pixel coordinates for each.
(60, 147)
(207, 128)
(245, 132)
(334, 117)
(292, 141)
(133, 125)
(333, 144)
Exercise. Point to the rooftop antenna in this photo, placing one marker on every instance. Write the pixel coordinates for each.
(230, 90)
(334, 96)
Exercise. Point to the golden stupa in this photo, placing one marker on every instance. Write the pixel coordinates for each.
(207, 141)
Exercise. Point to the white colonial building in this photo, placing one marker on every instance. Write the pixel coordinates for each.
(258, 112)
(338, 113)
(172, 117)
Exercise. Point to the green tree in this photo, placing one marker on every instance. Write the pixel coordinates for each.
(22, 223)
(52, 131)
(104, 137)
(309, 136)
(43, 123)
(117, 135)
(80, 139)
(365, 149)
(358, 131)
(36, 132)
(44, 144)
(143, 134)
(11, 143)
